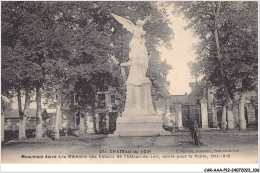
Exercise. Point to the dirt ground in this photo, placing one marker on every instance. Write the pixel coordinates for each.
(244, 144)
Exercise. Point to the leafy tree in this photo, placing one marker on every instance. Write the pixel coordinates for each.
(228, 48)
(66, 48)
(16, 76)
(17, 69)
(23, 29)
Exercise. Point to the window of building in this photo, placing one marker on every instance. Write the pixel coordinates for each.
(101, 100)
(113, 99)
(171, 109)
(101, 97)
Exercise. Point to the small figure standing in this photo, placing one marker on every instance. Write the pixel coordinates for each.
(172, 122)
(104, 126)
(193, 126)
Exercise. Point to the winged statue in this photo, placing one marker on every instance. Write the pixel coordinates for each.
(128, 25)
(138, 54)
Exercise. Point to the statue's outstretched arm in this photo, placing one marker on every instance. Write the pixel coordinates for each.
(127, 24)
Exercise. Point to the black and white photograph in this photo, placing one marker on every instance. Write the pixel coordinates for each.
(129, 82)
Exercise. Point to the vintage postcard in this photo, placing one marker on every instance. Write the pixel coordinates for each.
(129, 82)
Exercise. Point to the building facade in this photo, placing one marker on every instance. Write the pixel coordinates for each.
(105, 110)
(201, 105)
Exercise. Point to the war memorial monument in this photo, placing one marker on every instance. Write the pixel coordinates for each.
(139, 117)
(76, 87)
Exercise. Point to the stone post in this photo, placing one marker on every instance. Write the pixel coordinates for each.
(178, 113)
(97, 121)
(214, 117)
(90, 124)
(166, 114)
(204, 113)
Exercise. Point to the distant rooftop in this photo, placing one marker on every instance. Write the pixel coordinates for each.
(181, 99)
(14, 113)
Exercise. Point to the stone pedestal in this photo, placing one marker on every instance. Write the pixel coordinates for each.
(204, 113)
(139, 100)
(139, 117)
(139, 126)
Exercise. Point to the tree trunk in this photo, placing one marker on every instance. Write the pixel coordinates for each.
(23, 114)
(230, 115)
(26, 110)
(19, 100)
(2, 125)
(22, 124)
(39, 131)
(58, 114)
(224, 120)
(23, 128)
(227, 94)
(241, 112)
(82, 124)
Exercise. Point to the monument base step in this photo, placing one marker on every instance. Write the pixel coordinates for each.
(139, 119)
(137, 133)
(139, 126)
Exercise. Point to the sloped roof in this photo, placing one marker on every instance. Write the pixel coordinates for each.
(179, 99)
(14, 113)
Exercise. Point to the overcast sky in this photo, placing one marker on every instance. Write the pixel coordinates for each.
(182, 52)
